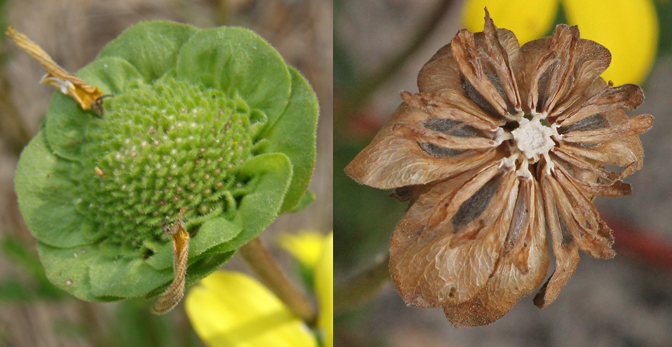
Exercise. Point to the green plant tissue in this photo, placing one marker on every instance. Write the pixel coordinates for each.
(208, 119)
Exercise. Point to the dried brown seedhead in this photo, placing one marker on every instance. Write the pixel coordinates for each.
(502, 146)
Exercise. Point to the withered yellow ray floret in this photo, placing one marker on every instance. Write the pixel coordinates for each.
(174, 294)
(86, 95)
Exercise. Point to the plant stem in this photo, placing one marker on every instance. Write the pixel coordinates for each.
(363, 285)
(270, 273)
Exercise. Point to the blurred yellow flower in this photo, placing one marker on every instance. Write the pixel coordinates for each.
(232, 309)
(529, 20)
(324, 285)
(306, 246)
(628, 28)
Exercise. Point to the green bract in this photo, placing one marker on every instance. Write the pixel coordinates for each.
(212, 120)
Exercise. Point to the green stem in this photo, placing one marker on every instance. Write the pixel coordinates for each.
(270, 273)
(362, 286)
(366, 87)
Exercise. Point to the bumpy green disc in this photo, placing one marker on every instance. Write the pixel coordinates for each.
(159, 148)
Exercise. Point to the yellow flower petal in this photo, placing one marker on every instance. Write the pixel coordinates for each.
(324, 284)
(529, 20)
(628, 28)
(234, 310)
(305, 246)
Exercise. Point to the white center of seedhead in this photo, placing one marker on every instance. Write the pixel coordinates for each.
(533, 138)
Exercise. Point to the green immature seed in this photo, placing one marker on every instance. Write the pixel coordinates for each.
(157, 149)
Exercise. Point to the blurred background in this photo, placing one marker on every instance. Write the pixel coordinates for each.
(380, 47)
(34, 313)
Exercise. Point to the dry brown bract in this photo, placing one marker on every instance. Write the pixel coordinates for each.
(501, 144)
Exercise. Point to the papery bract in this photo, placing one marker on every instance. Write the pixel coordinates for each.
(502, 146)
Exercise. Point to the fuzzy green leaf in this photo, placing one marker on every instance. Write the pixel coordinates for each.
(65, 126)
(305, 201)
(259, 208)
(294, 135)
(124, 277)
(205, 265)
(110, 74)
(151, 47)
(68, 269)
(43, 187)
(236, 60)
(67, 121)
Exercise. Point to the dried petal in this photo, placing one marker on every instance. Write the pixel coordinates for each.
(625, 97)
(612, 189)
(582, 219)
(591, 59)
(509, 283)
(460, 108)
(86, 95)
(501, 144)
(564, 248)
(632, 127)
(174, 294)
(425, 134)
(393, 160)
(435, 265)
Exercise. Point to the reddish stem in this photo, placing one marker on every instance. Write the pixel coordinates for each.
(640, 243)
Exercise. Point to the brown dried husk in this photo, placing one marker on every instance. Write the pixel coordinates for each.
(474, 239)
